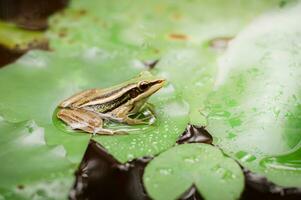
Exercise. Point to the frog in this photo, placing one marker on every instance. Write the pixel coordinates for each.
(89, 109)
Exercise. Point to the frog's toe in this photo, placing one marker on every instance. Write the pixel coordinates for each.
(102, 131)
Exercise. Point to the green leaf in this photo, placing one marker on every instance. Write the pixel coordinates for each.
(13, 37)
(171, 120)
(176, 33)
(255, 109)
(192, 71)
(103, 43)
(115, 24)
(45, 79)
(285, 168)
(39, 83)
(27, 162)
(170, 174)
(56, 188)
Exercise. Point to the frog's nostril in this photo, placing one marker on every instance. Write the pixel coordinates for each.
(161, 81)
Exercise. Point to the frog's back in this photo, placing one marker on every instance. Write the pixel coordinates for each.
(102, 97)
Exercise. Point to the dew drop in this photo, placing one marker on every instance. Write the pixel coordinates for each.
(227, 175)
(191, 159)
(130, 156)
(245, 157)
(165, 171)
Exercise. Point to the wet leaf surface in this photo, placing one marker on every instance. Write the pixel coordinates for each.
(45, 79)
(14, 42)
(254, 111)
(28, 165)
(19, 39)
(189, 40)
(178, 34)
(173, 172)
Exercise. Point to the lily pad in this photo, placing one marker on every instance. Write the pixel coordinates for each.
(19, 39)
(173, 172)
(103, 43)
(158, 26)
(176, 33)
(171, 120)
(254, 111)
(45, 79)
(26, 162)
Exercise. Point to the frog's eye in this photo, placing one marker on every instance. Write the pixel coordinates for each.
(143, 85)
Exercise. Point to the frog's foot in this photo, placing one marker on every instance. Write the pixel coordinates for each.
(145, 117)
(149, 120)
(134, 121)
(103, 131)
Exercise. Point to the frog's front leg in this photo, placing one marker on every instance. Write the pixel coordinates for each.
(122, 115)
(148, 111)
(87, 121)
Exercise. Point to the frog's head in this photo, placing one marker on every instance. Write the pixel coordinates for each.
(146, 85)
(147, 88)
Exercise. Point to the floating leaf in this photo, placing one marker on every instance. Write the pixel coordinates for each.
(103, 43)
(45, 79)
(255, 109)
(173, 172)
(171, 120)
(158, 26)
(177, 34)
(13, 37)
(28, 162)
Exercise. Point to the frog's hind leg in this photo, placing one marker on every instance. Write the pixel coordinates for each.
(87, 121)
(80, 119)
